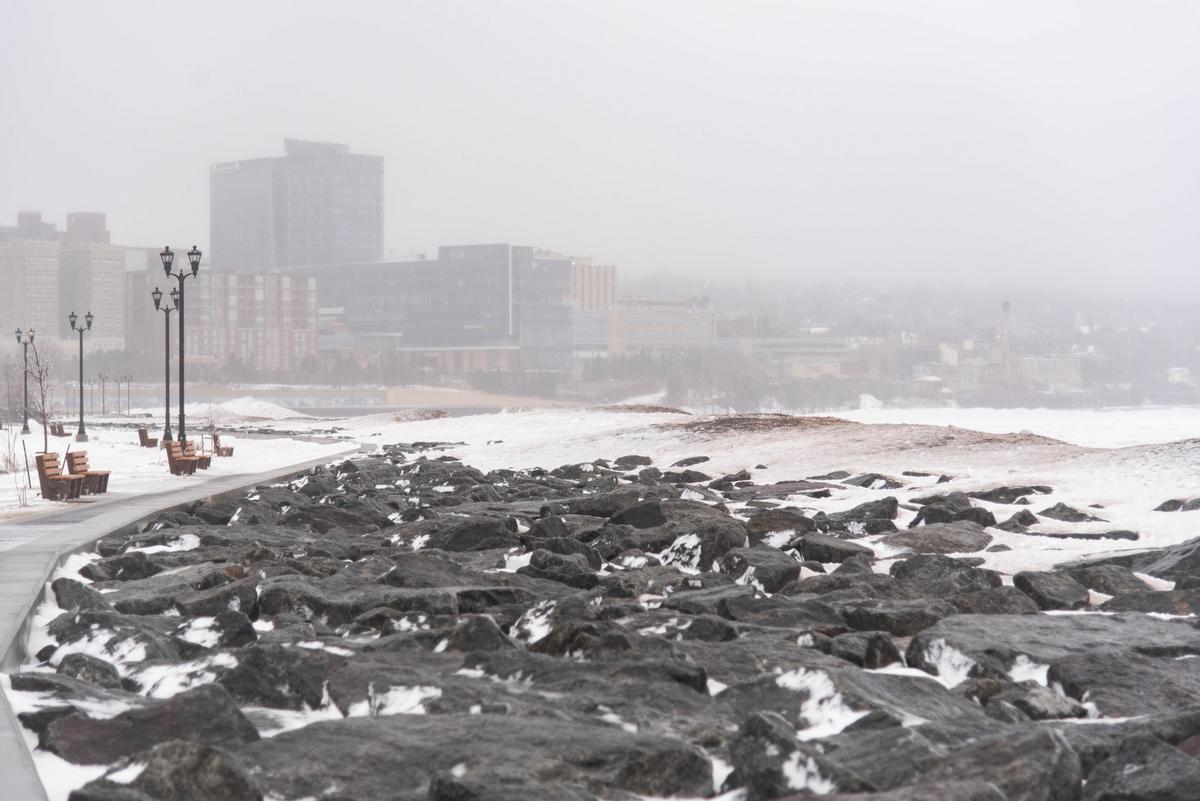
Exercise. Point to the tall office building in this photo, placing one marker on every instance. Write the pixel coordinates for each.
(143, 325)
(49, 273)
(30, 225)
(87, 226)
(29, 274)
(91, 277)
(318, 204)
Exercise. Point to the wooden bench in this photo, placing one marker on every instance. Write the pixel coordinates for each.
(95, 482)
(179, 463)
(218, 448)
(55, 485)
(146, 440)
(57, 430)
(203, 460)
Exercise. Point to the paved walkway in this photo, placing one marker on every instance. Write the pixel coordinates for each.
(45, 541)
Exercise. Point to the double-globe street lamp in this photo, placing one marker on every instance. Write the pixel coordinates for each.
(25, 339)
(73, 318)
(103, 395)
(166, 310)
(125, 379)
(168, 260)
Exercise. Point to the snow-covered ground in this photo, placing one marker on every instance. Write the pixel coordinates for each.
(231, 411)
(138, 470)
(1128, 482)
(1075, 453)
(1126, 460)
(1102, 428)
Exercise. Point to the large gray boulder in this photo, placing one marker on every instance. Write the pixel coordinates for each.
(407, 752)
(206, 714)
(959, 537)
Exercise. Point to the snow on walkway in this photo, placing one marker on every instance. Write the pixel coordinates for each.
(137, 470)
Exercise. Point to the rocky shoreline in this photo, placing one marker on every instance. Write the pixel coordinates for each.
(405, 626)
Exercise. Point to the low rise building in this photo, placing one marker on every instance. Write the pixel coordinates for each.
(260, 322)
(639, 325)
(799, 357)
(475, 308)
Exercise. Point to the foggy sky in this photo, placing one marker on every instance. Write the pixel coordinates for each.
(999, 141)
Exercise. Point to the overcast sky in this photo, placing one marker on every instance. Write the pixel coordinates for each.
(956, 139)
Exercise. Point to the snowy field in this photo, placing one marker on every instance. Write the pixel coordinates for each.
(113, 445)
(1126, 460)
(1158, 462)
(1101, 428)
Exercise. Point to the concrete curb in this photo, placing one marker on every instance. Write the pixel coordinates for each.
(25, 570)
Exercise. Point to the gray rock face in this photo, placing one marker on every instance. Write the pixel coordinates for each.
(280, 677)
(1165, 602)
(647, 514)
(1123, 684)
(941, 791)
(950, 508)
(771, 568)
(1052, 590)
(1108, 579)
(1009, 495)
(407, 752)
(583, 633)
(1094, 744)
(943, 573)
(1038, 766)
(1037, 702)
(631, 461)
(206, 714)
(1144, 768)
(1019, 521)
(1177, 562)
(121, 567)
(887, 755)
(994, 601)
(1060, 511)
(873, 481)
(72, 595)
(104, 790)
(766, 521)
(821, 548)
(994, 642)
(570, 569)
(960, 537)
(190, 771)
(477, 534)
(868, 649)
(901, 618)
(769, 761)
(91, 670)
(799, 696)
(863, 514)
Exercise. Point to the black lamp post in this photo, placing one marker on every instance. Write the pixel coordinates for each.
(168, 259)
(166, 310)
(81, 434)
(25, 340)
(104, 393)
(128, 380)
